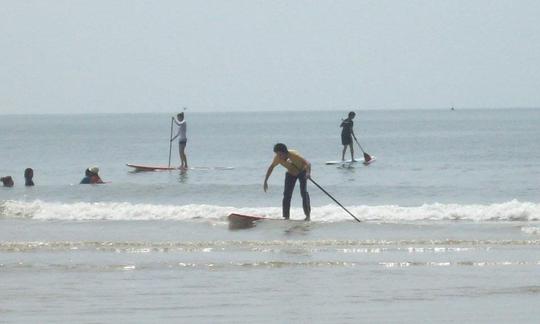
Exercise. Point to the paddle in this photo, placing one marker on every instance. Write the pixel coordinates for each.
(334, 199)
(170, 141)
(329, 195)
(367, 157)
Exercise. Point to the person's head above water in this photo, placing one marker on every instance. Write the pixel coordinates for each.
(7, 181)
(91, 176)
(28, 175)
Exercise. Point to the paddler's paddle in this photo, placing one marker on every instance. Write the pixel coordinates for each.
(170, 141)
(329, 195)
(367, 157)
(334, 199)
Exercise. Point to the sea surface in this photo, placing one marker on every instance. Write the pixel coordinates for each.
(450, 215)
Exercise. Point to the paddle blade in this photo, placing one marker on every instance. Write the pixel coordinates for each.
(367, 157)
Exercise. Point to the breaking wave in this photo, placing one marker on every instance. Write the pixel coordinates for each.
(82, 211)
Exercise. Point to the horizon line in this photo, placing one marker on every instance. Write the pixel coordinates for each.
(268, 111)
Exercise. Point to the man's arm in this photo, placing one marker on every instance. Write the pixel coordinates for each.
(176, 122)
(95, 179)
(307, 166)
(268, 173)
(308, 169)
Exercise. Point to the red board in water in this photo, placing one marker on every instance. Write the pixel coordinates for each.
(238, 221)
(138, 167)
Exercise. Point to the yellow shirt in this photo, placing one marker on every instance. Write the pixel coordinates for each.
(294, 163)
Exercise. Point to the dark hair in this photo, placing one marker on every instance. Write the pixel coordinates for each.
(280, 147)
(28, 173)
(7, 181)
(352, 114)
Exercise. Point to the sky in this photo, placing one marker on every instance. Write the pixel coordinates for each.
(133, 56)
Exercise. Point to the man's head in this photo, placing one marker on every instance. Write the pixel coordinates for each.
(281, 150)
(7, 181)
(180, 116)
(352, 114)
(28, 173)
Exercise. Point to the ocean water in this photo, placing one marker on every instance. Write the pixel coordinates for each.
(450, 216)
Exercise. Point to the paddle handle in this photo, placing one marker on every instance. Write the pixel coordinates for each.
(360, 146)
(170, 141)
(334, 199)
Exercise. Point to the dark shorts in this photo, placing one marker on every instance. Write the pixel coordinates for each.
(182, 142)
(346, 139)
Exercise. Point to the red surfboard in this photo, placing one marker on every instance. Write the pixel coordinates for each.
(139, 167)
(238, 221)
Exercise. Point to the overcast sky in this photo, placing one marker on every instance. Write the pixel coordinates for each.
(224, 55)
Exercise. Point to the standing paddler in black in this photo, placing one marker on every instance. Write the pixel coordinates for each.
(298, 168)
(347, 134)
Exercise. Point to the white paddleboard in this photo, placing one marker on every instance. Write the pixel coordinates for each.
(342, 162)
(349, 162)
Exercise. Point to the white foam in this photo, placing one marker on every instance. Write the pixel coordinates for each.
(508, 211)
(531, 230)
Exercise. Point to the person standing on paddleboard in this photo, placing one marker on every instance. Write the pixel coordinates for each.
(347, 134)
(298, 168)
(182, 139)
